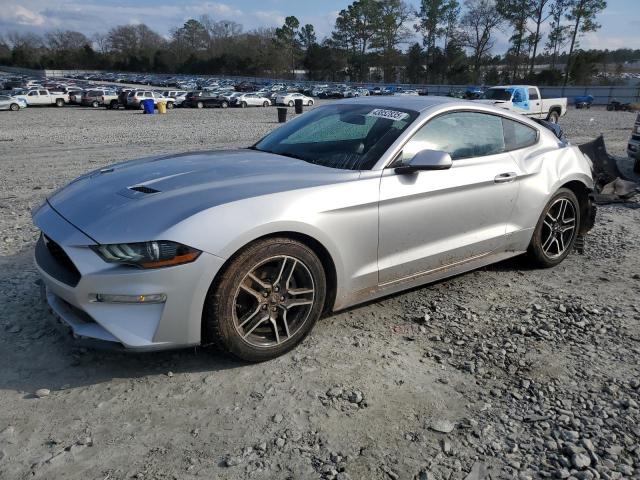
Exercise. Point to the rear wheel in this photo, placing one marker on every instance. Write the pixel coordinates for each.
(200, 105)
(556, 231)
(224, 105)
(291, 103)
(14, 107)
(59, 102)
(266, 301)
(169, 105)
(95, 104)
(553, 117)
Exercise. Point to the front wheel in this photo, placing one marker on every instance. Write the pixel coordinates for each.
(200, 105)
(291, 103)
(556, 231)
(95, 104)
(14, 107)
(169, 105)
(265, 104)
(224, 105)
(310, 103)
(266, 301)
(243, 105)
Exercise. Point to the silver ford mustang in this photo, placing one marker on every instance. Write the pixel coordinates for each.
(349, 202)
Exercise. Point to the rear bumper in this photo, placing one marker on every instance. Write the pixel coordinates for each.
(633, 149)
(588, 215)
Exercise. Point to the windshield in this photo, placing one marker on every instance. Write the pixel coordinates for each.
(498, 94)
(345, 136)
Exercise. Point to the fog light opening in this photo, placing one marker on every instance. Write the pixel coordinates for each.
(132, 299)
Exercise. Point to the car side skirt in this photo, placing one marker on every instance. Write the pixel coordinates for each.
(422, 278)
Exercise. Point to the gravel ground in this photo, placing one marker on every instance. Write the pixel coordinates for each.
(505, 372)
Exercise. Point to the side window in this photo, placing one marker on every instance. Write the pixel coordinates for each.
(533, 94)
(33, 94)
(148, 94)
(518, 135)
(460, 134)
(44, 92)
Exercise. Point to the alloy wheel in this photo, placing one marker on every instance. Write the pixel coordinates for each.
(559, 227)
(273, 301)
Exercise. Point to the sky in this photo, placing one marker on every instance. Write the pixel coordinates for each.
(620, 21)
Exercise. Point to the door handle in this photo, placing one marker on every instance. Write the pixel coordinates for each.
(505, 177)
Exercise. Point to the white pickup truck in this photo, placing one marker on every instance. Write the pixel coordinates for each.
(525, 99)
(40, 96)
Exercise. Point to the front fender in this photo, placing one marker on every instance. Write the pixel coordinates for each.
(342, 217)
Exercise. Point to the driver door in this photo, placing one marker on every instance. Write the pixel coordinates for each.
(430, 220)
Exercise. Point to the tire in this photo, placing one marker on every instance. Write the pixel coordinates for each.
(59, 102)
(200, 105)
(169, 105)
(553, 117)
(545, 247)
(310, 103)
(14, 107)
(609, 108)
(141, 107)
(95, 104)
(115, 105)
(224, 105)
(265, 104)
(243, 104)
(291, 103)
(244, 323)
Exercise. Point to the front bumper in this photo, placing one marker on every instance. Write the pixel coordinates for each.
(72, 273)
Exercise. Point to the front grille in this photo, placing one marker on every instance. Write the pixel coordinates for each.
(54, 260)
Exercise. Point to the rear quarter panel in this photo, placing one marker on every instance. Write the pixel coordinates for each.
(543, 170)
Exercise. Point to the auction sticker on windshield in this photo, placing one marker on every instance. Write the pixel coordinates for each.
(388, 114)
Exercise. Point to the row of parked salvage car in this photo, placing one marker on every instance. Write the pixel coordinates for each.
(132, 98)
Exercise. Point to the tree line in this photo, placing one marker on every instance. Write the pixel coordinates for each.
(372, 40)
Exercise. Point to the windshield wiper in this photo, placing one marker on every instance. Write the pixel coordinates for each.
(283, 154)
(291, 155)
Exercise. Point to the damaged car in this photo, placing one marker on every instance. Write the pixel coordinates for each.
(349, 202)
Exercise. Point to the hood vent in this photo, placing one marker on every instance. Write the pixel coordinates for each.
(144, 189)
(137, 191)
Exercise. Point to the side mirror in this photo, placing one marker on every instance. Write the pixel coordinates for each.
(426, 160)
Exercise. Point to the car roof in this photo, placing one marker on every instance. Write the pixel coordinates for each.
(418, 104)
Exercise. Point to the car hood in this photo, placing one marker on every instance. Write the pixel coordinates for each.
(141, 199)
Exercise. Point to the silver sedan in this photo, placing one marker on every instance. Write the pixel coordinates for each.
(7, 102)
(348, 202)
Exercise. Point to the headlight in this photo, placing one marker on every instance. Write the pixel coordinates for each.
(154, 254)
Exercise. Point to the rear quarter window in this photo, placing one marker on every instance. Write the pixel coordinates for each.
(518, 135)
